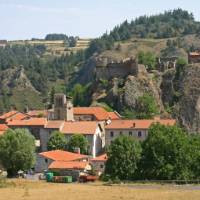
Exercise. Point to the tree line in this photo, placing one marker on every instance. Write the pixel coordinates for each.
(168, 153)
(173, 23)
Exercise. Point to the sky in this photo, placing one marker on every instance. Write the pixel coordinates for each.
(26, 19)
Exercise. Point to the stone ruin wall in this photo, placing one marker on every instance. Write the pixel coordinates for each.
(121, 69)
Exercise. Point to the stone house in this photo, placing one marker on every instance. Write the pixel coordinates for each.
(194, 57)
(45, 159)
(133, 128)
(92, 130)
(98, 163)
(34, 125)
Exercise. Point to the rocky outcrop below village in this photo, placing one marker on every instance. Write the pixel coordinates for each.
(177, 96)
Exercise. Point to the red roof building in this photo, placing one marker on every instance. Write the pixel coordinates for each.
(75, 165)
(12, 115)
(66, 156)
(135, 128)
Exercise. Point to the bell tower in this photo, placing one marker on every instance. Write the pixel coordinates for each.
(63, 108)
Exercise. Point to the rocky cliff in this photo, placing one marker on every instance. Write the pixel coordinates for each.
(17, 91)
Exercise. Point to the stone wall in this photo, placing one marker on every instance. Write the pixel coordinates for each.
(127, 132)
(116, 69)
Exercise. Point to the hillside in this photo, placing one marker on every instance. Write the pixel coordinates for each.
(48, 66)
(54, 47)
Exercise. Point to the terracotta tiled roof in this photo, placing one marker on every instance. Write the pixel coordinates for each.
(36, 113)
(54, 124)
(102, 157)
(194, 53)
(99, 112)
(8, 114)
(18, 116)
(114, 115)
(138, 124)
(80, 127)
(68, 165)
(28, 122)
(59, 155)
(3, 128)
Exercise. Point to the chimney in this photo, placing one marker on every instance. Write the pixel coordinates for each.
(133, 124)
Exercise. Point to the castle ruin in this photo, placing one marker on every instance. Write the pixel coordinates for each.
(108, 69)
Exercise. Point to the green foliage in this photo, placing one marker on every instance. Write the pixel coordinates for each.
(195, 155)
(69, 40)
(106, 106)
(148, 59)
(129, 114)
(169, 24)
(81, 94)
(146, 107)
(56, 36)
(57, 141)
(78, 141)
(17, 150)
(123, 157)
(40, 70)
(180, 64)
(166, 154)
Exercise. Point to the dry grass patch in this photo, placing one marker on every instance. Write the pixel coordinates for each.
(30, 190)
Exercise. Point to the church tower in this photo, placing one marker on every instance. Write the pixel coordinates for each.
(63, 108)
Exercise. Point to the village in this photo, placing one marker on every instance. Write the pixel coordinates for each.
(97, 125)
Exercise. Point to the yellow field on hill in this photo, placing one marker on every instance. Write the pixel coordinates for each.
(29, 190)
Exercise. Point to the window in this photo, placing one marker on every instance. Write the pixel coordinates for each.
(139, 134)
(111, 134)
(101, 166)
(120, 132)
(130, 133)
(46, 160)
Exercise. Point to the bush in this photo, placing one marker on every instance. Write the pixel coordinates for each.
(57, 141)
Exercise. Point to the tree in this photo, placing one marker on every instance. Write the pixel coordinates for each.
(148, 59)
(166, 154)
(78, 141)
(123, 157)
(195, 155)
(57, 141)
(146, 107)
(180, 64)
(17, 151)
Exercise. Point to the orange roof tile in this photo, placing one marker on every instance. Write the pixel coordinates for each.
(8, 114)
(68, 165)
(54, 124)
(3, 128)
(99, 112)
(28, 122)
(138, 124)
(114, 115)
(102, 157)
(36, 113)
(59, 155)
(80, 127)
(17, 116)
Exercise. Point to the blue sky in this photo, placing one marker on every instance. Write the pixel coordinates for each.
(24, 19)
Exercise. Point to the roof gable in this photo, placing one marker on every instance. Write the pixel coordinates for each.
(59, 155)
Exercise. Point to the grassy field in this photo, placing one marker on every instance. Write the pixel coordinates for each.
(55, 47)
(29, 190)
